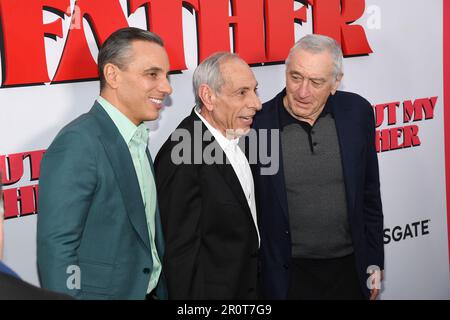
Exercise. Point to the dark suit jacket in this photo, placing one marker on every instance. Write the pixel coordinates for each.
(91, 214)
(355, 127)
(211, 239)
(13, 288)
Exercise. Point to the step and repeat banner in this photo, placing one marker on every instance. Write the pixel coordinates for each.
(394, 57)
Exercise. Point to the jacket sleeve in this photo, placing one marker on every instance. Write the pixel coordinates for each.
(67, 184)
(179, 197)
(373, 212)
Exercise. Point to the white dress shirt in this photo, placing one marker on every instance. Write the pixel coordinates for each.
(240, 165)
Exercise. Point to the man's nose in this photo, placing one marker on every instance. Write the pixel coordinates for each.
(304, 89)
(165, 86)
(256, 102)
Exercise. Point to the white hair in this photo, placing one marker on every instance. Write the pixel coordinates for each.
(208, 72)
(316, 43)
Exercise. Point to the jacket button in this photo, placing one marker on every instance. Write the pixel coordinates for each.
(286, 231)
(285, 266)
(146, 270)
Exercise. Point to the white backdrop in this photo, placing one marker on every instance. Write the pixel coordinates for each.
(406, 64)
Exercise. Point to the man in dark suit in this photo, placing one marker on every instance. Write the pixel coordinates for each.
(320, 214)
(99, 234)
(206, 190)
(11, 286)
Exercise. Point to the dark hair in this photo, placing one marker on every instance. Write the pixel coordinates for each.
(116, 48)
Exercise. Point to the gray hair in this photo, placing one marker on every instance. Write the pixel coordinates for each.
(116, 49)
(208, 72)
(316, 43)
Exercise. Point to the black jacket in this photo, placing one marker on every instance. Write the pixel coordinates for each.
(211, 239)
(355, 128)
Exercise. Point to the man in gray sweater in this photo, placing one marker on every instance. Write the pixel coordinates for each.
(320, 215)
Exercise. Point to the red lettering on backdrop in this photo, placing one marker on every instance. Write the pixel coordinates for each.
(24, 60)
(280, 36)
(248, 21)
(419, 109)
(23, 200)
(388, 139)
(397, 138)
(20, 201)
(169, 26)
(332, 18)
(391, 115)
(77, 62)
(12, 168)
(35, 158)
(248, 24)
(263, 31)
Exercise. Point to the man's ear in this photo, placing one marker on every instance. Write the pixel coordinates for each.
(112, 74)
(207, 96)
(337, 83)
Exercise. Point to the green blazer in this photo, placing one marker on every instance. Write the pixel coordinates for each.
(92, 236)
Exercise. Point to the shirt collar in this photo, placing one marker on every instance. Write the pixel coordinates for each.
(126, 128)
(141, 135)
(286, 118)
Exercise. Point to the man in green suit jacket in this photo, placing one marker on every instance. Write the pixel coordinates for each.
(99, 234)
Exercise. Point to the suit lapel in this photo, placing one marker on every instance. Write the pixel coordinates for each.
(159, 238)
(277, 180)
(227, 172)
(122, 164)
(161, 289)
(279, 184)
(226, 169)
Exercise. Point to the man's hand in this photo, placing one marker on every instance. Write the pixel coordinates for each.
(374, 294)
(374, 282)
